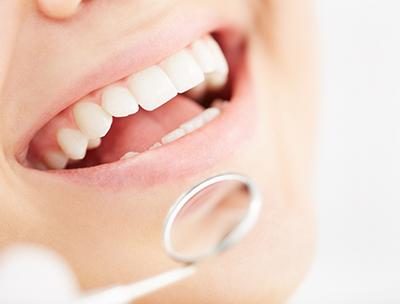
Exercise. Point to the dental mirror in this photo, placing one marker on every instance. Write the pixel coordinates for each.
(211, 217)
(207, 219)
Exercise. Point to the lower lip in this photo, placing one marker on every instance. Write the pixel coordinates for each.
(201, 150)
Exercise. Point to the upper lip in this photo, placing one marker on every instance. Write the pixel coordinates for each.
(150, 168)
(125, 58)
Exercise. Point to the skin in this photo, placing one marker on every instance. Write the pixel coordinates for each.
(107, 243)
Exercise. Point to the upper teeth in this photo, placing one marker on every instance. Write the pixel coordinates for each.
(150, 88)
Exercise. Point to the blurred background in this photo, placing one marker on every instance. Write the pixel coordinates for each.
(358, 173)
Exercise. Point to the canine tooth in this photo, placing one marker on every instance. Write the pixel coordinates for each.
(151, 88)
(156, 145)
(203, 55)
(55, 160)
(119, 101)
(91, 119)
(129, 155)
(94, 143)
(172, 136)
(193, 124)
(183, 70)
(72, 142)
(209, 114)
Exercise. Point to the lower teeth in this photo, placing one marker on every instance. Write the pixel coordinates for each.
(186, 128)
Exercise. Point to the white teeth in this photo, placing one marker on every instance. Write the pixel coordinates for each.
(91, 119)
(94, 143)
(183, 71)
(194, 69)
(151, 87)
(172, 136)
(200, 120)
(204, 56)
(220, 60)
(55, 160)
(129, 155)
(219, 77)
(193, 124)
(118, 101)
(209, 114)
(72, 142)
(216, 80)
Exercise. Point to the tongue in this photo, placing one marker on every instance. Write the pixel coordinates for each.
(140, 131)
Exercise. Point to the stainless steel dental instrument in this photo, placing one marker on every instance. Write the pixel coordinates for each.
(206, 220)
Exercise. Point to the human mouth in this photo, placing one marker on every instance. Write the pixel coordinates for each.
(150, 111)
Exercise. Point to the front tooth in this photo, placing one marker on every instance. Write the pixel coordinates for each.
(72, 142)
(55, 160)
(151, 88)
(172, 136)
(183, 71)
(129, 155)
(91, 119)
(204, 56)
(94, 143)
(118, 101)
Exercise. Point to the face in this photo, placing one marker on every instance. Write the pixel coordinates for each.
(109, 115)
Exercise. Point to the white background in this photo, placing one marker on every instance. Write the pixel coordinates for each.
(358, 172)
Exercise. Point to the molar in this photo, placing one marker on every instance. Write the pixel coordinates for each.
(91, 119)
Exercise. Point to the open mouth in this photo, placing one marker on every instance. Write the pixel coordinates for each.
(150, 110)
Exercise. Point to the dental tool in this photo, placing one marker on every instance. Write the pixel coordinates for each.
(128, 293)
(184, 211)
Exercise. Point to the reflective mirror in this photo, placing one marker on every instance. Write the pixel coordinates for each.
(211, 217)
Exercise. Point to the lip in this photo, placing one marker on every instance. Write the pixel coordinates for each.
(200, 150)
(185, 157)
(131, 55)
